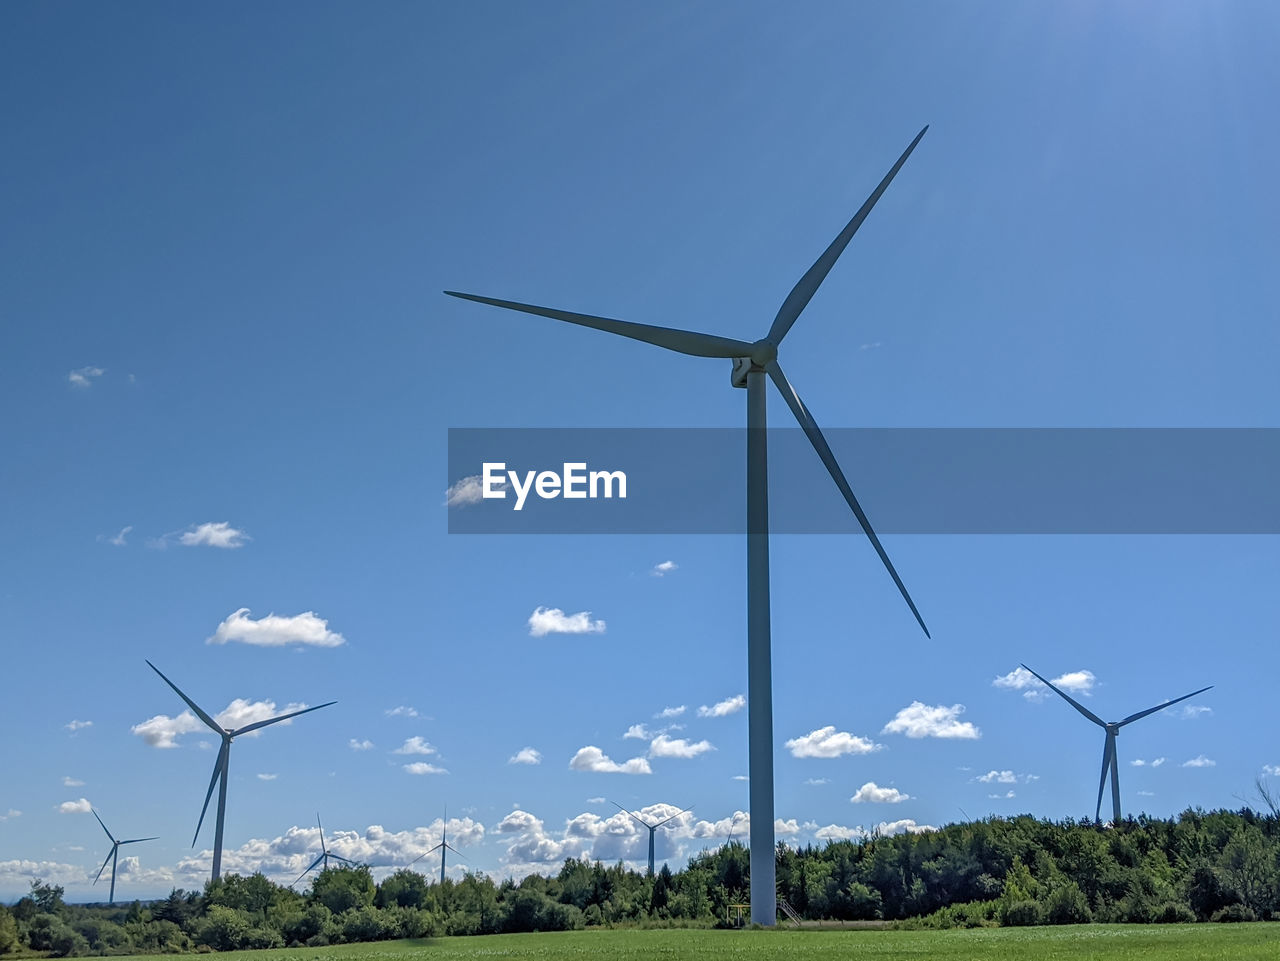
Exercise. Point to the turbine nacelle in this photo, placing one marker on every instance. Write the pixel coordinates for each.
(763, 353)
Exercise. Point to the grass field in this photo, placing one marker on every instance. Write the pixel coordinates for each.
(1199, 942)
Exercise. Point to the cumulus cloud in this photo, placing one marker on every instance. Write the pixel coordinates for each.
(74, 726)
(22, 872)
(422, 767)
(162, 731)
(360, 745)
(83, 377)
(872, 793)
(663, 746)
(827, 742)
(275, 631)
(552, 620)
(639, 732)
(401, 711)
(669, 712)
(918, 720)
(72, 782)
(730, 705)
(838, 832)
(905, 826)
(81, 806)
(526, 755)
(1139, 762)
(1020, 679)
(591, 758)
(666, 567)
(999, 777)
(1200, 761)
(213, 534)
(469, 490)
(415, 745)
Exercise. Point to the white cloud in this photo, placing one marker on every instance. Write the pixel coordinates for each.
(552, 620)
(827, 742)
(275, 631)
(591, 758)
(119, 539)
(526, 755)
(666, 567)
(786, 828)
(730, 705)
(213, 534)
(422, 767)
(360, 745)
(72, 782)
(639, 732)
(906, 825)
(1001, 797)
(162, 731)
(81, 377)
(999, 777)
(1146, 794)
(415, 745)
(469, 490)
(401, 711)
(1192, 712)
(1200, 761)
(77, 725)
(816, 780)
(267, 777)
(11, 813)
(838, 832)
(1271, 769)
(741, 777)
(81, 806)
(1141, 763)
(13, 873)
(871, 793)
(663, 746)
(918, 720)
(668, 712)
(1081, 682)
(1158, 761)
(1020, 679)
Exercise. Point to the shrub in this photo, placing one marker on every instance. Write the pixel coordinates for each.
(1067, 905)
(1235, 912)
(1018, 914)
(1174, 912)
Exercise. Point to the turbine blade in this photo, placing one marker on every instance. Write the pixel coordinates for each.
(104, 865)
(272, 720)
(1070, 700)
(190, 703)
(635, 817)
(682, 341)
(808, 285)
(136, 840)
(104, 827)
(1107, 746)
(309, 869)
(418, 858)
(213, 782)
(1161, 707)
(833, 468)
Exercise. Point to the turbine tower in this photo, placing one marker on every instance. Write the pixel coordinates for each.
(325, 856)
(115, 848)
(752, 362)
(653, 828)
(443, 847)
(1109, 745)
(220, 765)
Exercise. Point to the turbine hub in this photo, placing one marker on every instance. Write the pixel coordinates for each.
(762, 353)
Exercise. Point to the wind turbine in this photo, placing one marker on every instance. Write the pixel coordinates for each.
(325, 856)
(1109, 745)
(220, 765)
(653, 828)
(115, 848)
(442, 847)
(751, 363)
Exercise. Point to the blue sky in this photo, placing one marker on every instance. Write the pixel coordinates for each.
(226, 348)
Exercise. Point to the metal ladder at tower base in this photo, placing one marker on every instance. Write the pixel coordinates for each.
(789, 911)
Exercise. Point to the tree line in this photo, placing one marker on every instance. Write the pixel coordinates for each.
(1200, 866)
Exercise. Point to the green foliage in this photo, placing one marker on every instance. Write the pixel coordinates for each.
(1016, 914)
(1235, 912)
(343, 888)
(1067, 904)
(8, 931)
(1174, 912)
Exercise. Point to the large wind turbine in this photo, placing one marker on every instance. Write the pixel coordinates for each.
(443, 847)
(325, 855)
(1109, 745)
(220, 765)
(751, 363)
(653, 828)
(115, 847)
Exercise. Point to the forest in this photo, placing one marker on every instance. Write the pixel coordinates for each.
(1201, 866)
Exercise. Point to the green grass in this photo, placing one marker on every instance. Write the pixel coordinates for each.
(1200, 942)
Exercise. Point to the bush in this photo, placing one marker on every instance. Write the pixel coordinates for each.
(1174, 912)
(1019, 914)
(1235, 912)
(1067, 905)
(366, 924)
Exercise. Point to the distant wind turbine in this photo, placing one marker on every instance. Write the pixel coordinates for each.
(115, 848)
(442, 847)
(220, 765)
(325, 856)
(653, 828)
(752, 362)
(1109, 745)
